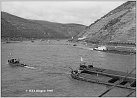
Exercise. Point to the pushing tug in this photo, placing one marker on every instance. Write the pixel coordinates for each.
(15, 62)
(109, 77)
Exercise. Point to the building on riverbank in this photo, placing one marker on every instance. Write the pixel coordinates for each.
(122, 49)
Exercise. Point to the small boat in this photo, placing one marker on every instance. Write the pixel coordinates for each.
(92, 74)
(32, 41)
(74, 45)
(16, 62)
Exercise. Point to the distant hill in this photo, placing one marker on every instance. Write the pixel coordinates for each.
(118, 26)
(14, 26)
(69, 29)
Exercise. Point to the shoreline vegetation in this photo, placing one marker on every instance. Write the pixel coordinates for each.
(20, 39)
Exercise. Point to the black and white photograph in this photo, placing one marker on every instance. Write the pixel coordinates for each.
(66, 48)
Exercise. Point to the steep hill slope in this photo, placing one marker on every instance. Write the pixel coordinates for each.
(119, 26)
(13, 26)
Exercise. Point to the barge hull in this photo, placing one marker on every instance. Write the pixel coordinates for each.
(100, 82)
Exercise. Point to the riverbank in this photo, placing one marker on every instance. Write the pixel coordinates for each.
(125, 50)
(118, 49)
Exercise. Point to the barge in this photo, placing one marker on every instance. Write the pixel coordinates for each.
(108, 77)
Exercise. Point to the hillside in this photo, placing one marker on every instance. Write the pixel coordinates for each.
(11, 31)
(13, 26)
(71, 29)
(118, 26)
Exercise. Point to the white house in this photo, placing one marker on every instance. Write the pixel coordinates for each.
(82, 38)
(101, 48)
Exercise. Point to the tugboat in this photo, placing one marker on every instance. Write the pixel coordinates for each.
(15, 62)
(92, 74)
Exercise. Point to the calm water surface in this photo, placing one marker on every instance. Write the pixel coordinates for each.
(51, 60)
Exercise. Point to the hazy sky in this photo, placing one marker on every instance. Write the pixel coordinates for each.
(82, 12)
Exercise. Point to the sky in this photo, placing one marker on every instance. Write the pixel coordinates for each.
(80, 12)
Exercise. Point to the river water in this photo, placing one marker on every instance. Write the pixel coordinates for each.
(50, 73)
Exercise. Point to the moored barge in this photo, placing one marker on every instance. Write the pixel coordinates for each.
(104, 76)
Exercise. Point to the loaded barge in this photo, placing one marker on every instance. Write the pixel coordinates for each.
(104, 76)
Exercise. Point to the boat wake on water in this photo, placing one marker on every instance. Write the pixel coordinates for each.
(30, 67)
(49, 72)
(58, 73)
(16, 63)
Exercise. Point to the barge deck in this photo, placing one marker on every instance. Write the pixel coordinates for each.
(105, 76)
